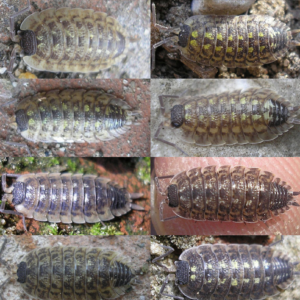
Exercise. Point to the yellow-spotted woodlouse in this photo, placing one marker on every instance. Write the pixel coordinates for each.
(205, 42)
(68, 40)
(73, 116)
(66, 198)
(235, 271)
(236, 194)
(250, 117)
(75, 273)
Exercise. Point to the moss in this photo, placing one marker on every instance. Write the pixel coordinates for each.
(49, 229)
(98, 229)
(143, 170)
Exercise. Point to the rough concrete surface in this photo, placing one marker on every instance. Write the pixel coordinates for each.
(119, 170)
(136, 142)
(136, 249)
(133, 15)
(285, 145)
(172, 13)
(290, 246)
(286, 168)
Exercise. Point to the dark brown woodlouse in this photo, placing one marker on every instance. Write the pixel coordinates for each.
(206, 42)
(66, 198)
(70, 273)
(236, 194)
(67, 40)
(235, 271)
(73, 116)
(250, 117)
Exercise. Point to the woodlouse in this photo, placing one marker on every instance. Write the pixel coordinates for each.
(236, 194)
(250, 117)
(73, 116)
(235, 271)
(74, 273)
(66, 198)
(68, 40)
(205, 42)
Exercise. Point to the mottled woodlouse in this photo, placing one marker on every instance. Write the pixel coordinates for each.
(249, 117)
(74, 273)
(205, 42)
(236, 194)
(73, 116)
(235, 271)
(67, 40)
(66, 198)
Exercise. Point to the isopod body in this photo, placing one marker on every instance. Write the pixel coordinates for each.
(67, 198)
(233, 41)
(71, 40)
(235, 271)
(74, 273)
(249, 117)
(73, 116)
(228, 193)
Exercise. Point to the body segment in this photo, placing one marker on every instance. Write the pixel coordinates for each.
(74, 273)
(73, 116)
(236, 194)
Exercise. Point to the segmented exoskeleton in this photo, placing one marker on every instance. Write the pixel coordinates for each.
(223, 40)
(230, 272)
(68, 40)
(250, 117)
(74, 273)
(73, 116)
(66, 198)
(236, 194)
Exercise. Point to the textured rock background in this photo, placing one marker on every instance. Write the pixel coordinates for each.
(135, 248)
(175, 12)
(131, 14)
(290, 245)
(135, 142)
(124, 171)
(285, 145)
(286, 168)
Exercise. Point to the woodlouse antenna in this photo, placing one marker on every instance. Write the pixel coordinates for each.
(295, 42)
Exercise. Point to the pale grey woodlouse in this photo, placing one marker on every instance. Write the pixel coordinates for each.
(66, 198)
(235, 271)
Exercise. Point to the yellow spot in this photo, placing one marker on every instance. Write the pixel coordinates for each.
(256, 280)
(193, 277)
(219, 36)
(222, 281)
(250, 35)
(76, 123)
(222, 264)
(209, 35)
(86, 108)
(255, 263)
(86, 124)
(209, 266)
(194, 34)
(188, 117)
(256, 117)
(261, 48)
(42, 109)
(254, 102)
(211, 101)
(229, 49)
(188, 106)
(261, 34)
(272, 45)
(193, 268)
(240, 49)
(65, 124)
(54, 107)
(250, 50)
(241, 37)
(64, 107)
(234, 282)
(246, 280)
(97, 124)
(31, 122)
(234, 264)
(97, 109)
(194, 43)
(230, 38)
(207, 46)
(75, 108)
(30, 113)
(219, 48)
(246, 265)
(243, 117)
(27, 75)
(243, 100)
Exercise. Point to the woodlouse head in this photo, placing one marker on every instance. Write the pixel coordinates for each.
(177, 115)
(182, 272)
(184, 35)
(28, 42)
(21, 272)
(21, 120)
(173, 195)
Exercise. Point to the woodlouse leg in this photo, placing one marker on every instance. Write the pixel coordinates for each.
(137, 207)
(163, 287)
(277, 242)
(155, 260)
(1, 286)
(165, 141)
(5, 188)
(11, 65)
(161, 102)
(161, 212)
(11, 212)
